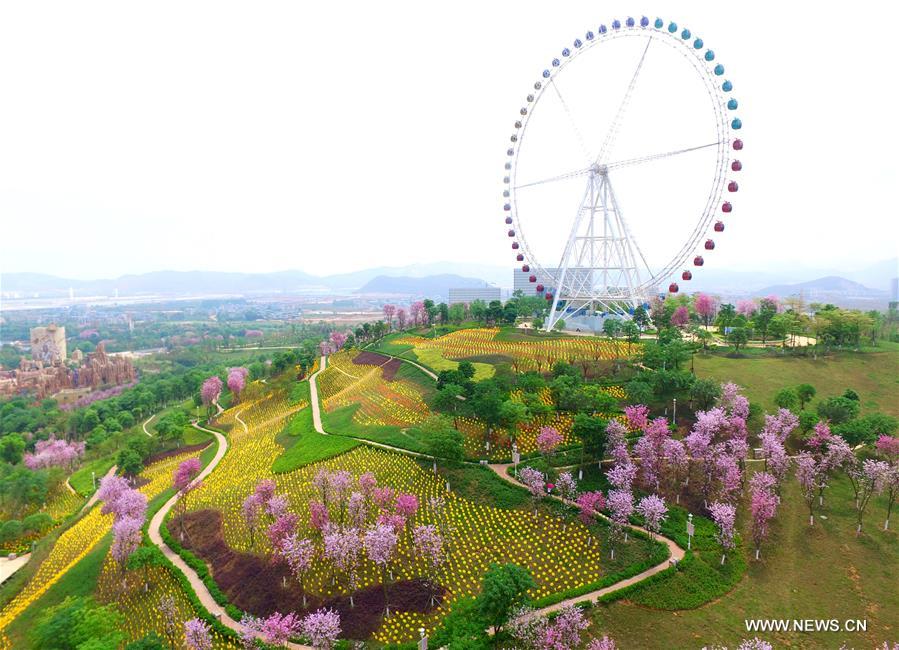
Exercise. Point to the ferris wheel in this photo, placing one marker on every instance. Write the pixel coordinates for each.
(618, 167)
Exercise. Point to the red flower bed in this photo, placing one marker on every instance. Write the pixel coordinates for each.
(253, 584)
(389, 365)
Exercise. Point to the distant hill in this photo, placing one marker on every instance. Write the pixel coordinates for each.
(216, 282)
(433, 286)
(831, 285)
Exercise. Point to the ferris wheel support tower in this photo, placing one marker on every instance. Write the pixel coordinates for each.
(599, 270)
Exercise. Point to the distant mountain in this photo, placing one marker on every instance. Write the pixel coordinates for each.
(430, 286)
(831, 285)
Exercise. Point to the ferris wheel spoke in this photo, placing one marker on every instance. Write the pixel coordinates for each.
(658, 156)
(574, 127)
(560, 177)
(612, 133)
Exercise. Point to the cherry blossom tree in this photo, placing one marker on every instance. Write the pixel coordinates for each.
(706, 306)
(275, 630)
(637, 416)
(428, 544)
(299, 554)
(871, 477)
(251, 511)
(318, 516)
(566, 486)
(389, 311)
(808, 475)
(337, 340)
(380, 545)
(548, 440)
(210, 391)
(680, 317)
(407, 505)
(357, 510)
(126, 537)
(237, 381)
(891, 487)
(605, 643)
(282, 528)
(54, 453)
(322, 628)
(622, 476)
(889, 447)
(534, 481)
(182, 479)
(401, 318)
(590, 503)
(746, 308)
(342, 547)
(197, 635)
(382, 496)
(170, 623)
(621, 506)
(651, 449)
(616, 441)
(539, 633)
(763, 504)
(724, 515)
(654, 512)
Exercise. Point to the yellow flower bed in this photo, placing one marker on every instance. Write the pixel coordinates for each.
(141, 609)
(559, 558)
(79, 539)
(381, 403)
(538, 355)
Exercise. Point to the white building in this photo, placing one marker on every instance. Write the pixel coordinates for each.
(467, 295)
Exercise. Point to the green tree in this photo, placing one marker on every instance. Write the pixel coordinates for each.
(12, 448)
(704, 393)
(638, 392)
(838, 409)
(441, 439)
(130, 462)
(591, 431)
(37, 523)
(90, 421)
(641, 318)
(76, 622)
(786, 398)
(151, 641)
(805, 393)
(447, 398)
(512, 414)
(463, 628)
(145, 558)
(467, 369)
(738, 336)
(504, 587)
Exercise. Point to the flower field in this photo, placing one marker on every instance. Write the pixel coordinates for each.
(559, 557)
(142, 609)
(80, 538)
(538, 355)
(382, 402)
(62, 503)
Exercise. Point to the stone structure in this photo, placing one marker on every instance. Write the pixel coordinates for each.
(98, 370)
(48, 344)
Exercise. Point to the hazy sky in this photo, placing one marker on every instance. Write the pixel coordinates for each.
(333, 136)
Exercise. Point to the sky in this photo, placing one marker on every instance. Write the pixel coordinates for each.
(331, 137)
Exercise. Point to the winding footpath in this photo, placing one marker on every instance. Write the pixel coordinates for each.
(676, 553)
(196, 583)
(501, 470)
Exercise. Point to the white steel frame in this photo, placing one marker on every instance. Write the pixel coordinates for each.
(601, 270)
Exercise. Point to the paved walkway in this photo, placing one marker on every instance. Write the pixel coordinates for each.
(196, 583)
(675, 552)
(9, 567)
(146, 422)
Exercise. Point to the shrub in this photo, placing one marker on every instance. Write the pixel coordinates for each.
(37, 523)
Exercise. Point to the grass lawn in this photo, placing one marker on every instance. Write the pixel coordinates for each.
(304, 445)
(340, 422)
(481, 485)
(819, 572)
(82, 482)
(80, 580)
(874, 375)
(433, 359)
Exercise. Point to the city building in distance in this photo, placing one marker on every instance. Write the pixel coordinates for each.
(468, 295)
